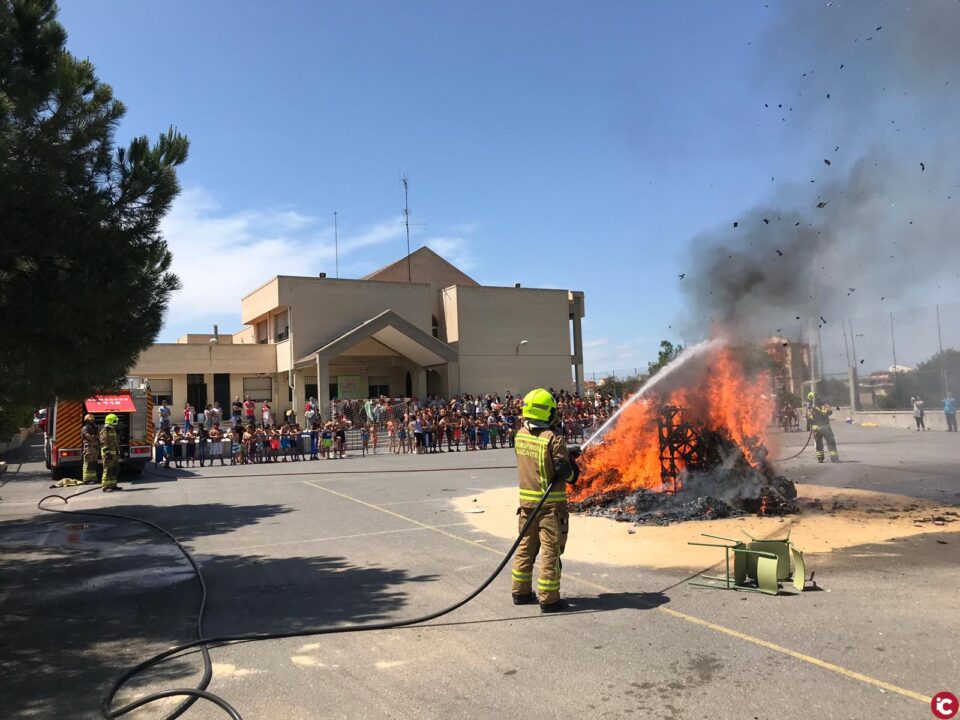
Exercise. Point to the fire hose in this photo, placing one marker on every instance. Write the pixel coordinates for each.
(204, 643)
(800, 452)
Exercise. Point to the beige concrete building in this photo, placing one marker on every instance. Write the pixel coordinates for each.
(417, 327)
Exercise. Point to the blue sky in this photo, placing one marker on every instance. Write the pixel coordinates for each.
(558, 144)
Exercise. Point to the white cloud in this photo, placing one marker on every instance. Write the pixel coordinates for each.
(220, 255)
(624, 357)
(455, 250)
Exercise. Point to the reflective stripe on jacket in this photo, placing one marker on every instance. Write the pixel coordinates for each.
(541, 457)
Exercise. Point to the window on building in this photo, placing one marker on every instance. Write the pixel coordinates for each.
(162, 390)
(378, 385)
(262, 336)
(435, 326)
(258, 388)
(281, 325)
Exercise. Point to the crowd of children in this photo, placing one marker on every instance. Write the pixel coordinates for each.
(475, 423)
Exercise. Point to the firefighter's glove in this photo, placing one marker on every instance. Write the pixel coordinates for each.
(574, 451)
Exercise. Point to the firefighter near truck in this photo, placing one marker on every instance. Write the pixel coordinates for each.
(63, 443)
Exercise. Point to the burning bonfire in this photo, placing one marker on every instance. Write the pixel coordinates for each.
(694, 450)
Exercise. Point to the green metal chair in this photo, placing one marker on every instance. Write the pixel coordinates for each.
(781, 548)
(765, 563)
(799, 570)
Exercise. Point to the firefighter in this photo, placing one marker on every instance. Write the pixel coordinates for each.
(818, 416)
(544, 466)
(91, 450)
(110, 446)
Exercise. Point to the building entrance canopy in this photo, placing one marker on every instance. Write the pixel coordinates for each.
(393, 332)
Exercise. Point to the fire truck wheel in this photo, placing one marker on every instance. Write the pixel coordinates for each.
(57, 473)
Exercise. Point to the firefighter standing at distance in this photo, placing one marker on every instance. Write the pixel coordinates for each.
(819, 417)
(91, 450)
(545, 466)
(110, 446)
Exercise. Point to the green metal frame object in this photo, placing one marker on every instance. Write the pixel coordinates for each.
(765, 563)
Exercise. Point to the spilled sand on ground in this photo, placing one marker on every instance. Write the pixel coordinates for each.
(842, 518)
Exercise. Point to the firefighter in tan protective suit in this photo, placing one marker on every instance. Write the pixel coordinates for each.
(819, 417)
(110, 445)
(91, 450)
(544, 466)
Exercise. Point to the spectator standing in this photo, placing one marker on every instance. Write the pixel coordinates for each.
(266, 415)
(314, 440)
(417, 427)
(427, 424)
(187, 417)
(216, 443)
(164, 416)
(203, 447)
(950, 411)
(236, 411)
(249, 411)
(163, 447)
(326, 441)
(310, 413)
(918, 413)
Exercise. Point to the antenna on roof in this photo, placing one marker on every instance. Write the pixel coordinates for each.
(406, 222)
(336, 245)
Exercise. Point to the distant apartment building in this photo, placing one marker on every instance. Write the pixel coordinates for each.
(792, 364)
(414, 328)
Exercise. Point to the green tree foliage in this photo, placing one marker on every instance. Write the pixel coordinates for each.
(833, 392)
(84, 273)
(949, 359)
(938, 374)
(621, 386)
(667, 353)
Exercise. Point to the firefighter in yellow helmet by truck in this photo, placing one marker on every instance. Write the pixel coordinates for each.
(110, 446)
(819, 416)
(545, 466)
(91, 450)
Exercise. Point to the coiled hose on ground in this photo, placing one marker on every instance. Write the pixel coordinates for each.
(191, 695)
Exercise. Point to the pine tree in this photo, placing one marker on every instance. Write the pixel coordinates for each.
(84, 273)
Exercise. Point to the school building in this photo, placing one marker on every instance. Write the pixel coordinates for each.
(414, 328)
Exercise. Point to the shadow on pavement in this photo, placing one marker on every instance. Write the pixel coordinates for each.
(619, 601)
(83, 598)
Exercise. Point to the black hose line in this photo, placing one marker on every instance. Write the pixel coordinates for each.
(797, 454)
(194, 694)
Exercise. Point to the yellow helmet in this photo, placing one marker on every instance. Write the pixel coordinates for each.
(810, 396)
(539, 408)
(111, 419)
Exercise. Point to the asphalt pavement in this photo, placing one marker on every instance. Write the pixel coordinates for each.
(294, 546)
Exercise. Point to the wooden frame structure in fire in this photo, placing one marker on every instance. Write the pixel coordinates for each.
(683, 446)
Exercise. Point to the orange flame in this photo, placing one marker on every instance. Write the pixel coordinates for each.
(721, 398)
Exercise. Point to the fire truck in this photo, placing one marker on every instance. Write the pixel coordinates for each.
(63, 448)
